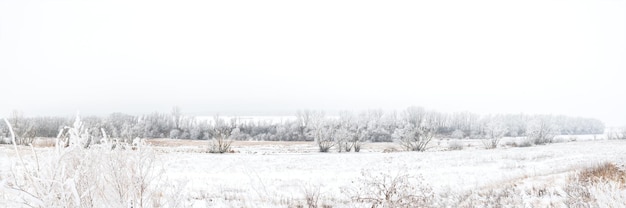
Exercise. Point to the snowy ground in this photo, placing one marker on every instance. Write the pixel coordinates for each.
(282, 174)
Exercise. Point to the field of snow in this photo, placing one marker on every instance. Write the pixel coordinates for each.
(287, 174)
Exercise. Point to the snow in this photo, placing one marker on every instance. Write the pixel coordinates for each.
(279, 174)
(283, 175)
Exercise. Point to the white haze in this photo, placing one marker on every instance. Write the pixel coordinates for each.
(274, 57)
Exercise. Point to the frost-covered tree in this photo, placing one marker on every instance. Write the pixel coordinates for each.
(344, 132)
(351, 132)
(177, 117)
(465, 121)
(221, 132)
(23, 128)
(416, 134)
(306, 120)
(542, 129)
(324, 134)
(493, 131)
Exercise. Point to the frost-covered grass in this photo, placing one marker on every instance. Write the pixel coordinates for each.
(284, 174)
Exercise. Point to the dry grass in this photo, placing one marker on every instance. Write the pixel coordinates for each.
(607, 172)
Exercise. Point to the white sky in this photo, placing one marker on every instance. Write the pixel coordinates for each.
(274, 57)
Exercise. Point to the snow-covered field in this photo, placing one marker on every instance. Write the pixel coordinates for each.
(286, 174)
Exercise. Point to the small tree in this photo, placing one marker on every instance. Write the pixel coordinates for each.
(493, 132)
(23, 128)
(343, 135)
(307, 120)
(542, 130)
(416, 133)
(221, 133)
(380, 189)
(414, 138)
(324, 135)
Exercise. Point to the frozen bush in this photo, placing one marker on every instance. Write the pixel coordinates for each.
(493, 132)
(221, 136)
(324, 135)
(386, 190)
(603, 185)
(414, 138)
(542, 130)
(23, 129)
(100, 176)
(418, 129)
(343, 140)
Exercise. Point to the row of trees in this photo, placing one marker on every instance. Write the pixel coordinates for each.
(347, 130)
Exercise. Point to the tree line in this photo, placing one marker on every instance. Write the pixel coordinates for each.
(369, 125)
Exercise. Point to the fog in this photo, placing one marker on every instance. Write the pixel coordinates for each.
(275, 57)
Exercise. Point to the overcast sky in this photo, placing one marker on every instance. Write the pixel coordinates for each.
(274, 57)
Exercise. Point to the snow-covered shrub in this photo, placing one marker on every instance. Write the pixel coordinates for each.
(414, 138)
(417, 129)
(175, 134)
(73, 176)
(324, 135)
(221, 133)
(494, 130)
(313, 198)
(343, 140)
(23, 128)
(542, 130)
(600, 186)
(386, 190)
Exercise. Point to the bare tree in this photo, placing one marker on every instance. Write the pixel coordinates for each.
(415, 116)
(416, 133)
(414, 138)
(23, 128)
(221, 133)
(542, 130)
(306, 122)
(493, 131)
(344, 134)
(325, 135)
(177, 118)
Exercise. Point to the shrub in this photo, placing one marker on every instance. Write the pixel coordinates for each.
(385, 190)
(324, 135)
(490, 143)
(100, 176)
(602, 173)
(222, 133)
(414, 138)
(600, 186)
(542, 130)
